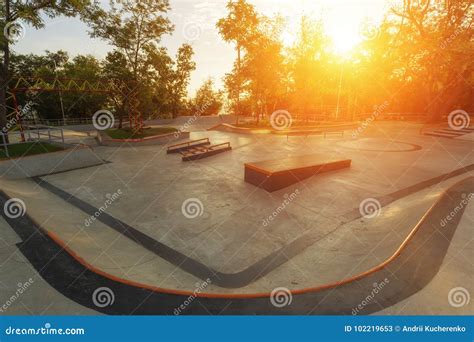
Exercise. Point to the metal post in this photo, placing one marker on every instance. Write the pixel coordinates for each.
(5, 146)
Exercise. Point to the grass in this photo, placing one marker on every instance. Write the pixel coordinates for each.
(28, 149)
(126, 133)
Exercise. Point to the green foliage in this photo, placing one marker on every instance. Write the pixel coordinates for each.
(28, 149)
(207, 100)
(135, 28)
(421, 60)
(53, 65)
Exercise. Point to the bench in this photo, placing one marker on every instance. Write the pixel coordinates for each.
(201, 152)
(178, 148)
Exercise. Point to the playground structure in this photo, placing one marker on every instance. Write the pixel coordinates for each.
(127, 90)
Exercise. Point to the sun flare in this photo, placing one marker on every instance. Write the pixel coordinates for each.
(343, 23)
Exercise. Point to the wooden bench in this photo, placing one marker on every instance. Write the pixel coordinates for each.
(201, 152)
(178, 148)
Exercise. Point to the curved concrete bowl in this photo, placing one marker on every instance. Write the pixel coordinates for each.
(163, 139)
(71, 158)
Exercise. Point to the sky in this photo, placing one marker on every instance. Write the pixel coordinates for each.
(194, 22)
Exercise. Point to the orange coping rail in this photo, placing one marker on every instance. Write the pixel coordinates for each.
(373, 270)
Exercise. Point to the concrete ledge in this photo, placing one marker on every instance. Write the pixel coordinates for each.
(106, 140)
(73, 157)
(308, 130)
(242, 130)
(273, 175)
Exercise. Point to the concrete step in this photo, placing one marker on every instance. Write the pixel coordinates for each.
(441, 134)
(453, 131)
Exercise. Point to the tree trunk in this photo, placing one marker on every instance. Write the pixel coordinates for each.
(4, 67)
(3, 102)
(239, 61)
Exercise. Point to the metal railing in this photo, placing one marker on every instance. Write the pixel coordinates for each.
(37, 134)
(59, 122)
(394, 116)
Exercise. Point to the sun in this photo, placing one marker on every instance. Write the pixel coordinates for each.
(344, 37)
(343, 27)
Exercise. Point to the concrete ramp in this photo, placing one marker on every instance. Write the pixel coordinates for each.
(274, 175)
(407, 271)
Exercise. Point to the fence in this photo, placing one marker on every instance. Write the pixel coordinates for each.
(33, 134)
(59, 122)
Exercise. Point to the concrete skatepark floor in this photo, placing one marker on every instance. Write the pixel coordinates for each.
(319, 237)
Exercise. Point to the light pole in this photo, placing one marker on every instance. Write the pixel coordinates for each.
(339, 91)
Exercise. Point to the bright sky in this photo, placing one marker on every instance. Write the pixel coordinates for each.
(195, 23)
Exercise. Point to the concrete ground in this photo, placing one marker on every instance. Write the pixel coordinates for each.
(390, 162)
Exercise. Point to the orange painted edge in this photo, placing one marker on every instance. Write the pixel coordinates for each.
(373, 270)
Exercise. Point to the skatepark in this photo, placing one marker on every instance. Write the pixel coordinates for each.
(153, 231)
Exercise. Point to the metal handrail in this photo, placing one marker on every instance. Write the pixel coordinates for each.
(30, 134)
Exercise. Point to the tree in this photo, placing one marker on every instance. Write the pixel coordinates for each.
(308, 64)
(263, 67)
(207, 100)
(179, 78)
(132, 27)
(239, 27)
(115, 67)
(435, 51)
(135, 29)
(31, 12)
(52, 65)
